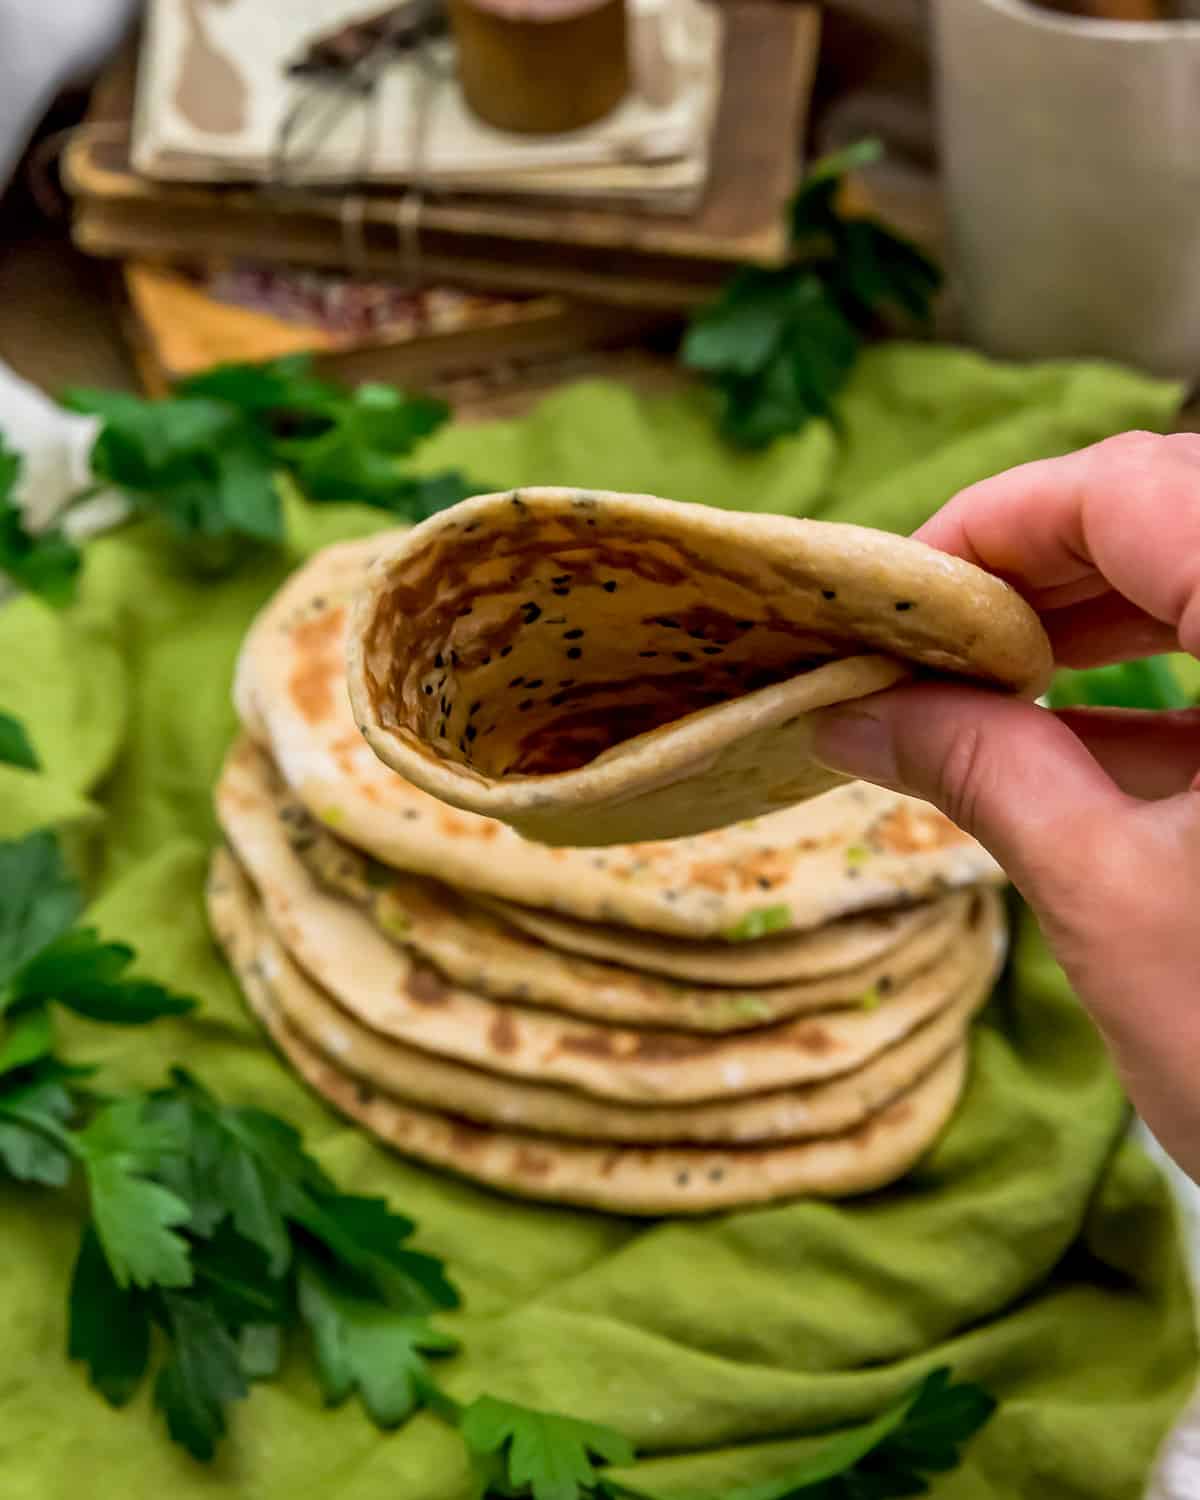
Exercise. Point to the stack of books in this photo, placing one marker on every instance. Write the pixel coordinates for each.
(226, 253)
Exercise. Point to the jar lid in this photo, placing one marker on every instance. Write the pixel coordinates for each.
(538, 10)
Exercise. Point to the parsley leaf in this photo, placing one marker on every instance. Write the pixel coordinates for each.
(886, 1459)
(86, 975)
(136, 1218)
(777, 345)
(109, 1324)
(30, 1036)
(362, 1345)
(45, 563)
(39, 900)
(15, 749)
(34, 1110)
(541, 1454)
(202, 1373)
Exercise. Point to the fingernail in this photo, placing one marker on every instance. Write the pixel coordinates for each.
(855, 743)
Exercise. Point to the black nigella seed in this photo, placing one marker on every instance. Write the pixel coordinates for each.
(474, 708)
(610, 587)
(467, 530)
(462, 745)
(904, 604)
(463, 613)
(829, 593)
(517, 682)
(534, 682)
(647, 654)
(572, 635)
(454, 658)
(744, 624)
(558, 700)
(442, 727)
(764, 883)
(486, 662)
(505, 650)
(561, 593)
(884, 984)
(556, 620)
(531, 611)
(471, 731)
(711, 650)
(429, 689)
(567, 682)
(517, 501)
(668, 622)
(574, 653)
(683, 656)
(525, 705)
(697, 635)
(561, 579)
(437, 660)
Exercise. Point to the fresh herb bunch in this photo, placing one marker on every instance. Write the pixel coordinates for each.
(210, 1224)
(207, 461)
(777, 345)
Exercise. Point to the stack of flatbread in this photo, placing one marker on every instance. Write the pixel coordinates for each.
(768, 1010)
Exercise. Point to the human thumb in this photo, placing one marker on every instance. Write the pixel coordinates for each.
(1003, 769)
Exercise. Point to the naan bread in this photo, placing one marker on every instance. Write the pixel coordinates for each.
(594, 668)
(432, 1082)
(622, 1179)
(391, 993)
(857, 849)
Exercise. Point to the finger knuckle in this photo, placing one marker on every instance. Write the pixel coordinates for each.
(965, 776)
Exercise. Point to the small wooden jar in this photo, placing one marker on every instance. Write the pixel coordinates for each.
(541, 66)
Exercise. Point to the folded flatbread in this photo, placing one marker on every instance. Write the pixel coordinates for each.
(594, 668)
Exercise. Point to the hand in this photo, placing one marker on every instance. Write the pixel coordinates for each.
(1094, 813)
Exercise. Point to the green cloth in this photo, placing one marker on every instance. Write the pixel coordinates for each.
(1031, 1249)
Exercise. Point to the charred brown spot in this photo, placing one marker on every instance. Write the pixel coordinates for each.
(319, 670)
(815, 1040)
(589, 1044)
(906, 830)
(426, 986)
(503, 1034)
(666, 1046)
(532, 1163)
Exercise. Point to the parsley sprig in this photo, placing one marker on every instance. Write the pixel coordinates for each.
(207, 461)
(210, 1233)
(778, 344)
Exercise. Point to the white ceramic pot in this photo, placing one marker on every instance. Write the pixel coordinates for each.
(1071, 153)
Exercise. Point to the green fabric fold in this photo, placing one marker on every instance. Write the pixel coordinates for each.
(1032, 1249)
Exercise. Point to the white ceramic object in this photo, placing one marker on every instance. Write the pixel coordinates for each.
(1072, 167)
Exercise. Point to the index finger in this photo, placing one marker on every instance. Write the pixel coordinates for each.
(1123, 514)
